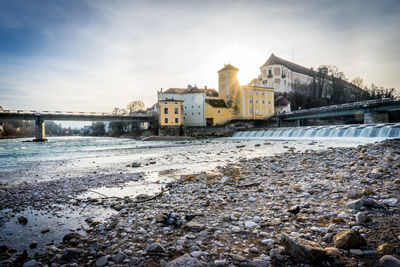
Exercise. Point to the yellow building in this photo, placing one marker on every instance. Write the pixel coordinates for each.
(246, 101)
(170, 112)
(228, 84)
(216, 111)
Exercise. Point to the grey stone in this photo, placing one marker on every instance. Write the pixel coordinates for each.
(361, 217)
(101, 262)
(302, 250)
(156, 248)
(118, 258)
(71, 254)
(389, 261)
(226, 180)
(184, 261)
(30, 263)
(259, 263)
(349, 239)
(219, 262)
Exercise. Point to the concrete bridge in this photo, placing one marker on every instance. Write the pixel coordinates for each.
(41, 116)
(372, 111)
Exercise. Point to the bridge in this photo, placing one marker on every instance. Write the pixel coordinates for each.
(41, 116)
(373, 111)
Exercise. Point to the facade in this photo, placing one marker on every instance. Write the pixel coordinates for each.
(247, 101)
(282, 105)
(216, 112)
(170, 112)
(282, 74)
(193, 103)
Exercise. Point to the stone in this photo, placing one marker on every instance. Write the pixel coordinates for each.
(250, 224)
(361, 217)
(219, 262)
(236, 229)
(22, 220)
(195, 254)
(194, 226)
(356, 252)
(389, 261)
(343, 215)
(385, 249)
(111, 225)
(118, 258)
(135, 164)
(235, 216)
(101, 262)
(71, 237)
(71, 254)
(225, 180)
(363, 202)
(259, 263)
(156, 248)
(332, 251)
(302, 250)
(30, 263)
(33, 245)
(349, 239)
(184, 261)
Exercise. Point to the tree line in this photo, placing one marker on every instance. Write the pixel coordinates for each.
(28, 129)
(329, 86)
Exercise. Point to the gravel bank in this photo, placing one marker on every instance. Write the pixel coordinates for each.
(334, 207)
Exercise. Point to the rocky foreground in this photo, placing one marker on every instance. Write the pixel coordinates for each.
(338, 207)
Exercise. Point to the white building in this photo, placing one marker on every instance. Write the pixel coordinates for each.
(193, 102)
(282, 74)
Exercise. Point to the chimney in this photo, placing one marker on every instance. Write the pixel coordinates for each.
(205, 87)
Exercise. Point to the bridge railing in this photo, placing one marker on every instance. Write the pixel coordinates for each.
(348, 105)
(57, 112)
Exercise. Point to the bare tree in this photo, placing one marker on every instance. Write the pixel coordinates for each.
(135, 106)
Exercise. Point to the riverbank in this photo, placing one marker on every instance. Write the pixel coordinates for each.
(276, 210)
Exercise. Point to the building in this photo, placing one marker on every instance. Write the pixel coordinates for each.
(282, 105)
(217, 111)
(250, 101)
(170, 112)
(193, 99)
(282, 74)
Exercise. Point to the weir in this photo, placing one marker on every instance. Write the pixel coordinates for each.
(384, 130)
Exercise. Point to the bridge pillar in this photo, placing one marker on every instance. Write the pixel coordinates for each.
(375, 117)
(40, 130)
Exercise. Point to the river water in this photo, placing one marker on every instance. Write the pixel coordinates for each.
(160, 162)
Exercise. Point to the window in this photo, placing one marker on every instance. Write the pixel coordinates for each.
(219, 111)
(270, 72)
(166, 120)
(165, 110)
(192, 106)
(199, 113)
(192, 113)
(176, 120)
(185, 113)
(262, 93)
(256, 92)
(256, 101)
(251, 101)
(263, 102)
(199, 106)
(269, 102)
(176, 111)
(185, 106)
(269, 93)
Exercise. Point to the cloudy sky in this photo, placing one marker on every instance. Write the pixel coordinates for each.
(86, 55)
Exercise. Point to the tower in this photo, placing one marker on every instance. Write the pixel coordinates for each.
(228, 84)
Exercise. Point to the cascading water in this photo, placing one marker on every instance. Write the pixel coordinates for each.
(388, 130)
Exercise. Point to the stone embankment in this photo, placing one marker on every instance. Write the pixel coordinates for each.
(338, 207)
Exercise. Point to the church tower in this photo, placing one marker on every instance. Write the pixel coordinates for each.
(228, 84)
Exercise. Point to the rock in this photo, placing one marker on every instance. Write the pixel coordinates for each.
(194, 226)
(385, 249)
(111, 225)
(226, 180)
(343, 215)
(195, 254)
(33, 245)
(302, 250)
(71, 254)
(118, 207)
(389, 261)
(101, 262)
(332, 251)
(235, 216)
(236, 229)
(250, 224)
(361, 217)
(219, 262)
(259, 263)
(294, 209)
(363, 202)
(135, 164)
(22, 220)
(71, 237)
(156, 248)
(118, 258)
(186, 260)
(30, 263)
(349, 239)
(46, 230)
(356, 252)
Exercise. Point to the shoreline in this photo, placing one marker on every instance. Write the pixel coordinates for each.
(238, 213)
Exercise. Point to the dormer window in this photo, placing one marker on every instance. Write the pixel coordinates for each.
(269, 73)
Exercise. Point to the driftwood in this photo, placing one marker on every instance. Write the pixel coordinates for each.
(153, 197)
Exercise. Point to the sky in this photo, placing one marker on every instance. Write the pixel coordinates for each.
(81, 55)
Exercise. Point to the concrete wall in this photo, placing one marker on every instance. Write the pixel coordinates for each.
(170, 131)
